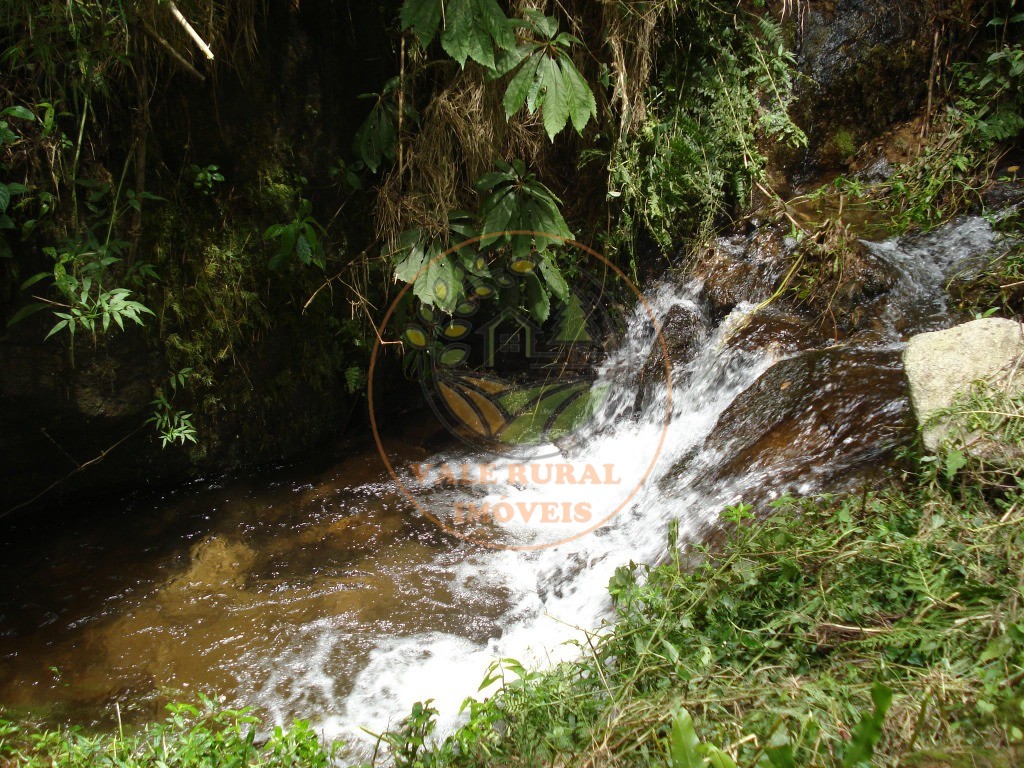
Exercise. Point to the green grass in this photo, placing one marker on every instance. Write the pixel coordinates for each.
(190, 737)
(785, 647)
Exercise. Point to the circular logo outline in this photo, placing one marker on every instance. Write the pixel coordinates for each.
(379, 342)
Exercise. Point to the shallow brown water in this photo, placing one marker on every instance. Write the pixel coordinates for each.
(200, 589)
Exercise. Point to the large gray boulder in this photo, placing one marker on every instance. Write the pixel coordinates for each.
(943, 364)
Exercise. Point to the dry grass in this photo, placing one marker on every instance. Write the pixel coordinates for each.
(462, 132)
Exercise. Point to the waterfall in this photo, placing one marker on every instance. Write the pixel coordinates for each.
(556, 593)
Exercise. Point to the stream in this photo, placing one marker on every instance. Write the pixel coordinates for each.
(316, 590)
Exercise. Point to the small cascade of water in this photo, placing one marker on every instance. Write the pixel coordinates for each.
(924, 263)
(557, 592)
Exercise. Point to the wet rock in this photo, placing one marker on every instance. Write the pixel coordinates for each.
(854, 297)
(822, 415)
(742, 268)
(866, 65)
(943, 364)
(775, 330)
(1004, 195)
(358, 532)
(215, 563)
(877, 170)
(683, 330)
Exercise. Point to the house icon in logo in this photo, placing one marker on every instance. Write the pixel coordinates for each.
(510, 340)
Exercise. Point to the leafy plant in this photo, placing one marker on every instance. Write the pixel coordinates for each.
(299, 239)
(172, 425)
(9, 189)
(355, 379)
(546, 79)
(206, 178)
(80, 269)
(347, 174)
(472, 29)
(725, 87)
(420, 259)
(869, 730)
(190, 737)
(959, 159)
(377, 138)
(516, 202)
(519, 214)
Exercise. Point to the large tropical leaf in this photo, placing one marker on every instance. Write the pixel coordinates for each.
(423, 17)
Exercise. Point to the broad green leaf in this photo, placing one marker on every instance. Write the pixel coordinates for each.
(556, 97)
(303, 249)
(582, 105)
(684, 746)
(423, 17)
(509, 59)
(520, 84)
(473, 28)
(537, 299)
(489, 180)
(553, 277)
(437, 286)
(955, 461)
(547, 219)
(5, 197)
(546, 26)
(26, 311)
(780, 756)
(35, 279)
(408, 269)
(59, 326)
(19, 112)
(716, 757)
(869, 729)
(536, 94)
(499, 211)
(498, 25)
(377, 137)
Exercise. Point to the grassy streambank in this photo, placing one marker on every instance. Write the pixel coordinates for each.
(883, 627)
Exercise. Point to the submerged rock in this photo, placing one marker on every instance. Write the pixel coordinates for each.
(822, 415)
(683, 331)
(776, 330)
(215, 563)
(942, 365)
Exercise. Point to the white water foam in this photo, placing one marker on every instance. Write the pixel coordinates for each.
(559, 593)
